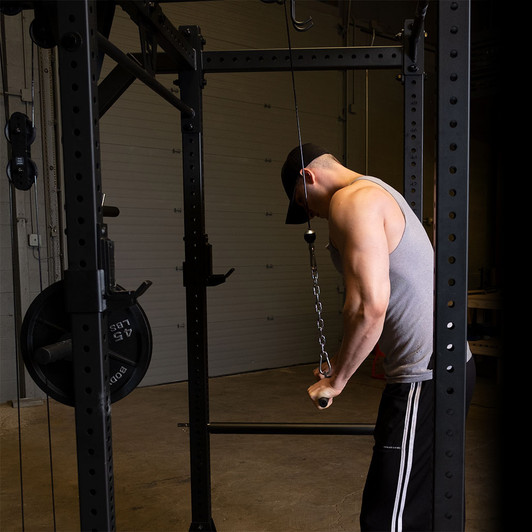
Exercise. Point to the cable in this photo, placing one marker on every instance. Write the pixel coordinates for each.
(18, 368)
(366, 113)
(310, 235)
(37, 230)
(297, 112)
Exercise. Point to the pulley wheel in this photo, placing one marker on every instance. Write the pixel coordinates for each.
(46, 345)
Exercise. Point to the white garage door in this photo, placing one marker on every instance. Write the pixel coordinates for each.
(263, 316)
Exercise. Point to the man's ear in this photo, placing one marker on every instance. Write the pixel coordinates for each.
(309, 175)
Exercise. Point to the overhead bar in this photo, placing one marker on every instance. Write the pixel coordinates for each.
(303, 59)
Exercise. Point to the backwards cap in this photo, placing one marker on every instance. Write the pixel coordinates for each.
(291, 172)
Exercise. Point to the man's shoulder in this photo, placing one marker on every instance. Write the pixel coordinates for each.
(358, 196)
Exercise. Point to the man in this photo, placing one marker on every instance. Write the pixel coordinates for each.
(386, 259)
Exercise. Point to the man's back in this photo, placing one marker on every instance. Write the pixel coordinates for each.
(407, 335)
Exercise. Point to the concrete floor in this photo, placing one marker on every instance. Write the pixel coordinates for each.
(259, 483)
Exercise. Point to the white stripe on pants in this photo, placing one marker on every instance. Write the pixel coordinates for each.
(407, 453)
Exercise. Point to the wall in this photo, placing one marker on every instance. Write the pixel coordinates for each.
(24, 269)
(263, 316)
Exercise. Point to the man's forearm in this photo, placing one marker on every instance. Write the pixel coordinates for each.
(361, 333)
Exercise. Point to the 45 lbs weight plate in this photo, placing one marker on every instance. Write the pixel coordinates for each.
(46, 345)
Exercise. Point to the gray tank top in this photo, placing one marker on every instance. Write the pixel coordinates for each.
(407, 335)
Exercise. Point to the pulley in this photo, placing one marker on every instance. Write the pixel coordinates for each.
(46, 345)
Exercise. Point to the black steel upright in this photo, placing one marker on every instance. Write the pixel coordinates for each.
(413, 77)
(84, 277)
(197, 271)
(452, 198)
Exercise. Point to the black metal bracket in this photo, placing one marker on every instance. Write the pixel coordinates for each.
(416, 31)
(148, 49)
(203, 276)
(149, 15)
(219, 278)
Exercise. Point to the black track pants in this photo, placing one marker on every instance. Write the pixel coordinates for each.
(398, 492)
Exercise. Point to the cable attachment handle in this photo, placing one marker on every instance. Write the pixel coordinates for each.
(310, 237)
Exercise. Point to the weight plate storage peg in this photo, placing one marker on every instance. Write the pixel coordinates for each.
(46, 345)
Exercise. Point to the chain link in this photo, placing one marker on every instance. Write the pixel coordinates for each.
(324, 356)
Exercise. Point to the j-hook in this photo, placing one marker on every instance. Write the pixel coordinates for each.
(298, 25)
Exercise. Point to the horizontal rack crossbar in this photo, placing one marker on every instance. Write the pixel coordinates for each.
(303, 59)
(360, 429)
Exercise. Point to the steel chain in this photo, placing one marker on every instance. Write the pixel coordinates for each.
(324, 356)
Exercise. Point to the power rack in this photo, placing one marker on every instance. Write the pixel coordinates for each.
(81, 39)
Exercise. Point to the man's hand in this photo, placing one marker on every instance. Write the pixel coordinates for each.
(323, 389)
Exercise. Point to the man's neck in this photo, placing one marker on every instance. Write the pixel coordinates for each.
(347, 177)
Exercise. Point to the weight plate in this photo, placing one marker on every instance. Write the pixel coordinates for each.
(46, 329)
(130, 345)
(22, 175)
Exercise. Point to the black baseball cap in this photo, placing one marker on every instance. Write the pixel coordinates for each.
(291, 172)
